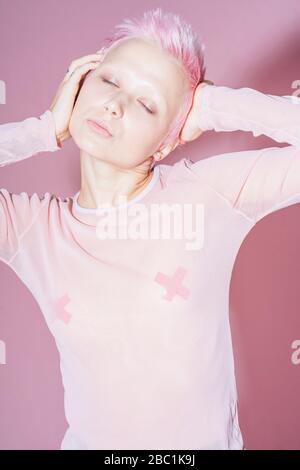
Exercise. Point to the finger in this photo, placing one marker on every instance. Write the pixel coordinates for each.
(83, 60)
(80, 71)
(188, 136)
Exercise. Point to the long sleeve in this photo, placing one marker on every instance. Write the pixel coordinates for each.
(18, 141)
(23, 139)
(255, 182)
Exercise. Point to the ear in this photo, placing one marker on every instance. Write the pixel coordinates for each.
(164, 151)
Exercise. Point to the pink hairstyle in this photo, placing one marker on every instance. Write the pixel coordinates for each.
(175, 36)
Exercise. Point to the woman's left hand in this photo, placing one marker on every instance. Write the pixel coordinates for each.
(191, 129)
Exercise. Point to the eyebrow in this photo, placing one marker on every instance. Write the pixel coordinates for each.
(159, 97)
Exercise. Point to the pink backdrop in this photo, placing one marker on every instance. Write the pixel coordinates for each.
(254, 45)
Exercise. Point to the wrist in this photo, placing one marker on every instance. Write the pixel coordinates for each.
(203, 106)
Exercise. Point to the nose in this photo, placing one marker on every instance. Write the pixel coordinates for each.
(114, 105)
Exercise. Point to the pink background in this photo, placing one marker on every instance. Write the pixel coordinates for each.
(255, 45)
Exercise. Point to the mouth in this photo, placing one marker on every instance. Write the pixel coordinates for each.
(98, 127)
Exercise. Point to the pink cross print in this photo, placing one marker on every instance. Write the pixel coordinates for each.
(173, 284)
(61, 313)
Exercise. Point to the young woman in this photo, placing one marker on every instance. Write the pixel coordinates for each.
(140, 317)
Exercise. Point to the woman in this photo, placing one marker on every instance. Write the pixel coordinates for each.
(140, 317)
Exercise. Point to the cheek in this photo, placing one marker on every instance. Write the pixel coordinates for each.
(138, 130)
(80, 108)
(145, 139)
(146, 134)
(79, 99)
(87, 89)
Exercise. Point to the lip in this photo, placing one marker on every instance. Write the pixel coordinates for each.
(99, 127)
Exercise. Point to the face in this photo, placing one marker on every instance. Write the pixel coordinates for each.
(137, 90)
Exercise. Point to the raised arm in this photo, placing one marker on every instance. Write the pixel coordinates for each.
(255, 182)
(18, 141)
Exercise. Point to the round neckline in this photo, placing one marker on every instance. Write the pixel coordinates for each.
(138, 197)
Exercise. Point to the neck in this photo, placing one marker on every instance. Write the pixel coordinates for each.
(103, 183)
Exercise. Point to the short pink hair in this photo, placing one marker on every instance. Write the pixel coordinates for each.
(174, 35)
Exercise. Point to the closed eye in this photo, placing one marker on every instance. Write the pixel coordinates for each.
(148, 110)
(107, 81)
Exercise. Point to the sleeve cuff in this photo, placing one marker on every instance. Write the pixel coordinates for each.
(205, 119)
(49, 132)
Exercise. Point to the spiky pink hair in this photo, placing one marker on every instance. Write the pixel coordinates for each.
(174, 35)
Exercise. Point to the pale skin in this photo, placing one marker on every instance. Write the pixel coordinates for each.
(121, 88)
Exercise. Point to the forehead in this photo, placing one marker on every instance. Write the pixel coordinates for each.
(146, 62)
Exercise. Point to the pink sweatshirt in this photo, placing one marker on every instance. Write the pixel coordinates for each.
(142, 325)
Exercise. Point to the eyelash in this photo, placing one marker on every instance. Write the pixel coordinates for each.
(147, 109)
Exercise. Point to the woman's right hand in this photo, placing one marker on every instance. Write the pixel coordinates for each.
(64, 100)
